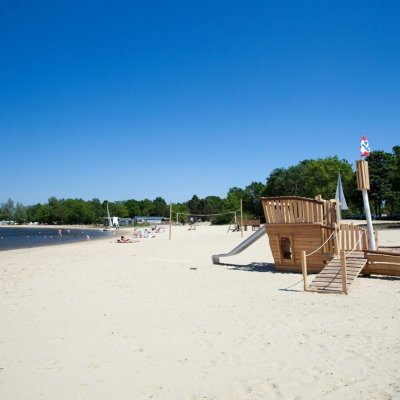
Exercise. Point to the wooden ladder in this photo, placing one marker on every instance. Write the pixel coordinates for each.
(329, 280)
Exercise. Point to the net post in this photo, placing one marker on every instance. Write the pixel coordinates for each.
(170, 220)
(241, 217)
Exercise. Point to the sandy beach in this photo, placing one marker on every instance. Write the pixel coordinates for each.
(157, 320)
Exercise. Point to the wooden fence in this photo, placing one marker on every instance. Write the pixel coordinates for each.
(297, 210)
(352, 237)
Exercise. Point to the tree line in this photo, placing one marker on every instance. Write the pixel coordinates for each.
(308, 178)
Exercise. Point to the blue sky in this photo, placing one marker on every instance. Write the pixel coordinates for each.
(129, 99)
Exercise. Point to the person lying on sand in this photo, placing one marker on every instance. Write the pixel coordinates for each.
(124, 240)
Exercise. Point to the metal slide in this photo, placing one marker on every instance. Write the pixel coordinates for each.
(242, 246)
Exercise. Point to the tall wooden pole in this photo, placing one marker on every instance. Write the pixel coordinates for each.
(338, 229)
(241, 217)
(304, 269)
(170, 220)
(337, 240)
(363, 186)
(343, 269)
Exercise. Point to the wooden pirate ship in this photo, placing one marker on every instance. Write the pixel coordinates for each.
(297, 224)
(306, 236)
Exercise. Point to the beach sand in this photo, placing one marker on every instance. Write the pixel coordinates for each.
(156, 320)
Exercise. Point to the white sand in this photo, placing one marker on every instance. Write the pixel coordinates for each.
(101, 320)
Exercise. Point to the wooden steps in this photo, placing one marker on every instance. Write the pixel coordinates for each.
(329, 280)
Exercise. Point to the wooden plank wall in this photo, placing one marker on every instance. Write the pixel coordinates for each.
(382, 264)
(329, 247)
(306, 237)
(350, 235)
(298, 210)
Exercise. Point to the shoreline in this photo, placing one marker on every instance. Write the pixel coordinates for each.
(29, 226)
(47, 236)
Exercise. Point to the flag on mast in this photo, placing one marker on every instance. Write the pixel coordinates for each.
(364, 147)
(339, 196)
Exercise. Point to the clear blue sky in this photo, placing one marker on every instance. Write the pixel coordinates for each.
(129, 99)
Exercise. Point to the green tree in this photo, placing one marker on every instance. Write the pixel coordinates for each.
(96, 210)
(195, 205)
(119, 209)
(160, 207)
(7, 210)
(146, 206)
(40, 213)
(310, 178)
(20, 213)
(232, 202)
(180, 212)
(288, 181)
(321, 176)
(393, 199)
(213, 205)
(133, 207)
(381, 169)
(254, 192)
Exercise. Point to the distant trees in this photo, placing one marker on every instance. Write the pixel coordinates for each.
(310, 178)
(78, 211)
(20, 213)
(160, 207)
(7, 210)
(384, 175)
(307, 179)
(393, 199)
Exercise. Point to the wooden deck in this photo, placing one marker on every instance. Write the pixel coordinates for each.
(329, 280)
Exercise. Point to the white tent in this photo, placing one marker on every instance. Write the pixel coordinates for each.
(339, 196)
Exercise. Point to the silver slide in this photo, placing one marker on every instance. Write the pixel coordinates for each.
(242, 246)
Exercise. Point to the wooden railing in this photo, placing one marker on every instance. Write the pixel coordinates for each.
(304, 255)
(295, 210)
(343, 242)
(353, 238)
(330, 246)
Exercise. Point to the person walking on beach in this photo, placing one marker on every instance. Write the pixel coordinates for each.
(59, 233)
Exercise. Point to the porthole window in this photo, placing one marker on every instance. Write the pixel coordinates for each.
(286, 248)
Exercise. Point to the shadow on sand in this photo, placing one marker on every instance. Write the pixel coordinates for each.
(252, 267)
(264, 267)
(381, 277)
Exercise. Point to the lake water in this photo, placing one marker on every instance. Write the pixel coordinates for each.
(18, 238)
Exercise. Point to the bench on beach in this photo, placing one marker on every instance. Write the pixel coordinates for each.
(253, 223)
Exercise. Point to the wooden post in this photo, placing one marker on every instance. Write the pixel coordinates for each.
(338, 213)
(170, 220)
(343, 271)
(241, 217)
(363, 186)
(319, 210)
(337, 239)
(304, 269)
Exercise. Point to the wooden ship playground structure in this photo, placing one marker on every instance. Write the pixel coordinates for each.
(307, 235)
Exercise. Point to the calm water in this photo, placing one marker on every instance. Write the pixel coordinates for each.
(18, 238)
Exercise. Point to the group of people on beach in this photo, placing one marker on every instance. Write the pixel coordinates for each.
(142, 233)
(146, 232)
